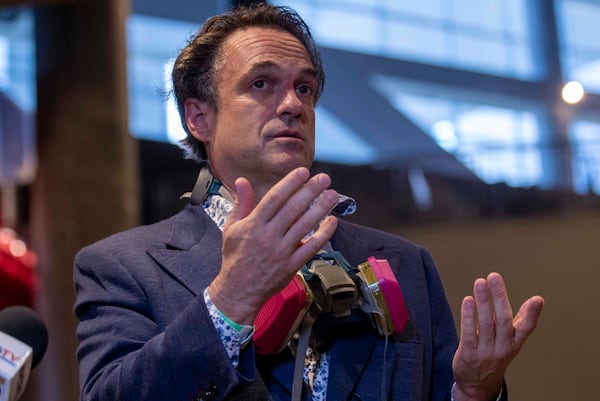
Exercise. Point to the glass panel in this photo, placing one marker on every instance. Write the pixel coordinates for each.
(580, 23)
(585, 139)
(363, 35)
(370, 3)
(521, 59)
(517, 16)
(488, 53)
(4, 61)
(175, 131)
(499, 144)
(421, 43)
(152, 43)
(481, 14)
(17, 57)
(18, 163)
(580, 49)
(432, 9)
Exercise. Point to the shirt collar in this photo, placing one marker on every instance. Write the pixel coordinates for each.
(218, 207)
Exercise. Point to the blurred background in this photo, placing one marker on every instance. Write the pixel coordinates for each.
(469, 126)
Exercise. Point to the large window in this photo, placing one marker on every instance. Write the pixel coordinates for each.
(490, 36)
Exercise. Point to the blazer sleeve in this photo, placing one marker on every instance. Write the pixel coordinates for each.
(443, 333)
(124, 354)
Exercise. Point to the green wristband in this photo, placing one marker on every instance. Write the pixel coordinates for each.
(246, 331)
(237, 327)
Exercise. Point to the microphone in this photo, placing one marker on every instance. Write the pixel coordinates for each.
(23, 342)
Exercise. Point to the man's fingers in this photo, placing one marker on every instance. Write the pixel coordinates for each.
(280, 194)
(310, 219)
(468, 323)
(527, 318)
(503, 315)
(297, 206)
(313, 244)
(489, 337)
(485, 314)
(243, 203)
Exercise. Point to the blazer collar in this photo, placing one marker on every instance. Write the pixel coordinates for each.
(189, 249)
(355, 248)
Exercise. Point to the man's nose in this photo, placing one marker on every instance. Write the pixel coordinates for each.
(290, 103)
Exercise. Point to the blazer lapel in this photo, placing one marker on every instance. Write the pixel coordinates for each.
(189, 255)
(348, 358)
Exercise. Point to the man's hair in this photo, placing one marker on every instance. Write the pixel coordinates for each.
(195, 69)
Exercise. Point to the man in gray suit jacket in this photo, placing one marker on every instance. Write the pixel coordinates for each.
(167, 311)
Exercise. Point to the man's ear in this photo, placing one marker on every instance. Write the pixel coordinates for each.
(197, 119)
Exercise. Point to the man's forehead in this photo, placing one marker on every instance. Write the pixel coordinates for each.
(263, 41)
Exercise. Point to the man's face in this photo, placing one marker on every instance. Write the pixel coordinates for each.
(265, 123)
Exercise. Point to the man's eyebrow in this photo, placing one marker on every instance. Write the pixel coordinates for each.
(312, 72)
(261, 66)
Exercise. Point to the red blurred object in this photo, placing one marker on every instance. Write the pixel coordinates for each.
(279, 317)
(18, 280)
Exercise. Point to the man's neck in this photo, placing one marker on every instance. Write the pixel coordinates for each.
(259, 186)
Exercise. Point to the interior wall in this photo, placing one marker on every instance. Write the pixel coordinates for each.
(554, 256)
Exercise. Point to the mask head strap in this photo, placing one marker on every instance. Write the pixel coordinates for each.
(206, 184)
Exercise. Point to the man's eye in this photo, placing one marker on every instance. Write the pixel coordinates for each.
(304, 89)
(259, 84)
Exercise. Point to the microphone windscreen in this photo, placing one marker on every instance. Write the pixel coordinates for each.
(25, 325)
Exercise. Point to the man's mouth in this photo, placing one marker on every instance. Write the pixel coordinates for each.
(288, 134)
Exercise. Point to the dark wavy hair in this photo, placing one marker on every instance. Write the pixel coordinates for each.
(195, 69)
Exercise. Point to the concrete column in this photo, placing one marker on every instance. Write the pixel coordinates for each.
(86, 187)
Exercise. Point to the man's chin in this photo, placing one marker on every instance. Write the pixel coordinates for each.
(285, 166)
